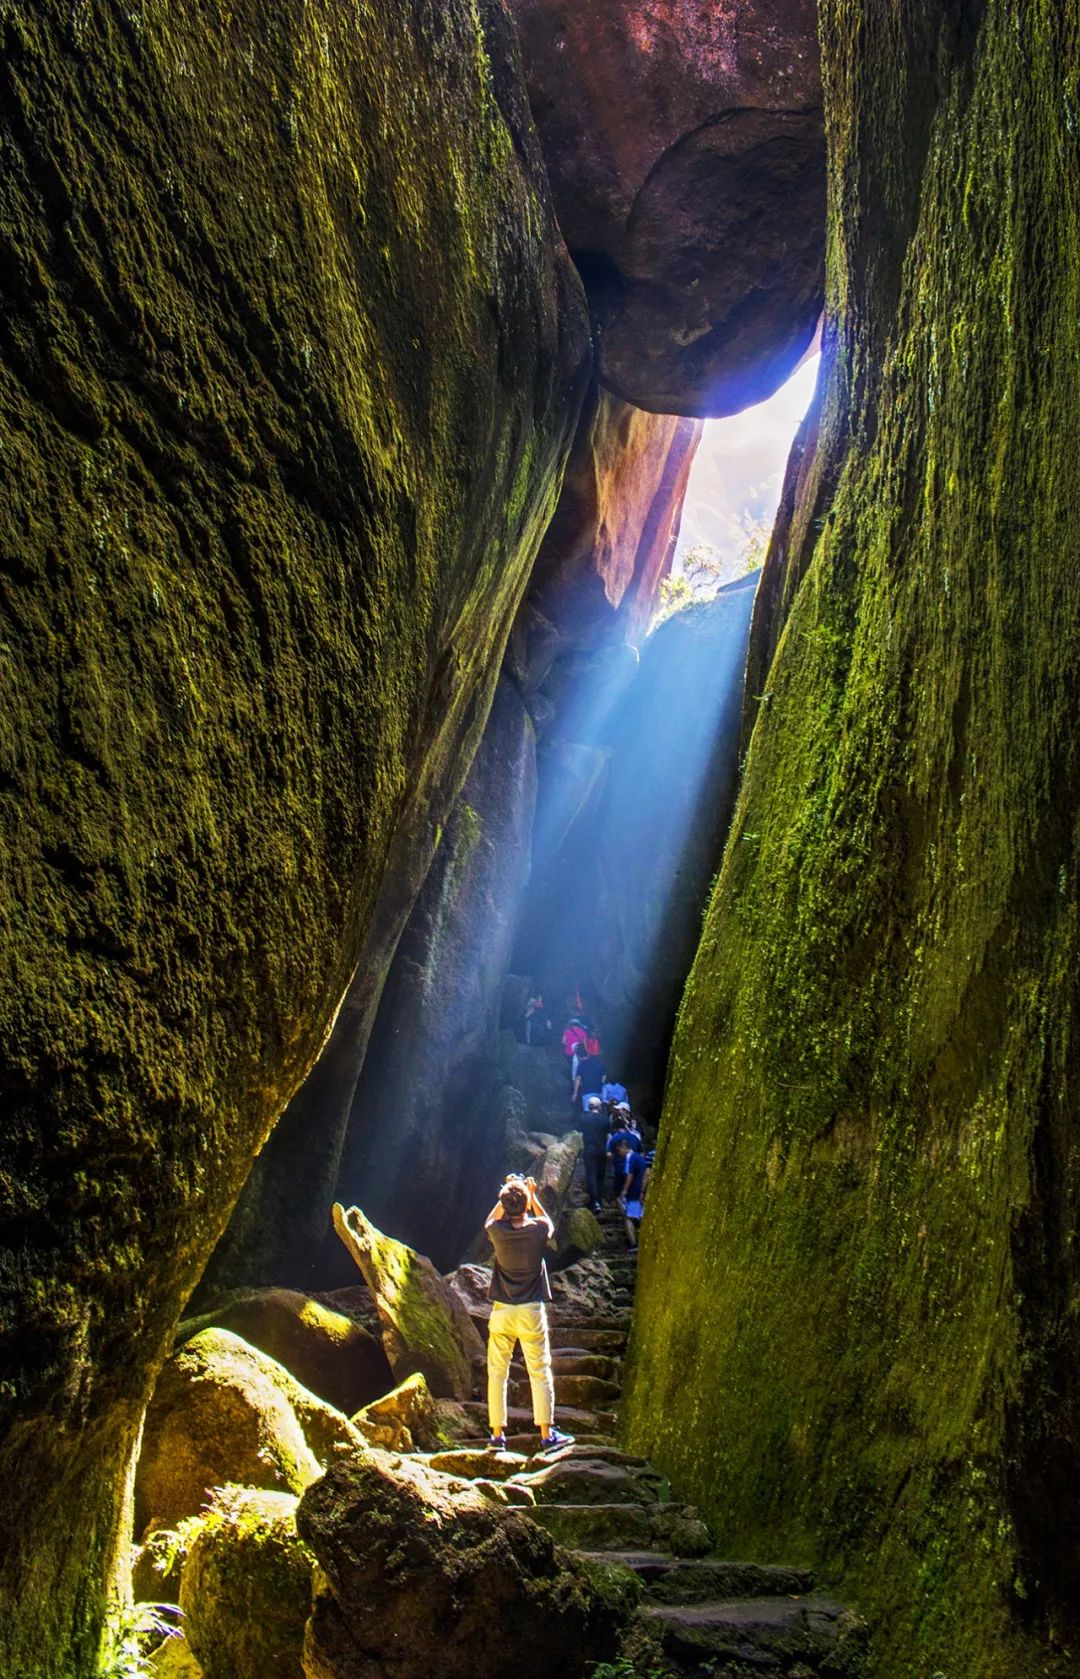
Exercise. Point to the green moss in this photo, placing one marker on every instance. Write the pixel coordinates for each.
(267, 383)
(246, 1591)
(855, 1328)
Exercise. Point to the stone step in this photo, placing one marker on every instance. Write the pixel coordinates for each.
(581, 1393)
(620, 1527)
(676, 1580)
(583, 1480)
(523, 1444)
(760, 1634)
(567, 1316)
(565, 1362)
(583, 1339)
(519, 1420)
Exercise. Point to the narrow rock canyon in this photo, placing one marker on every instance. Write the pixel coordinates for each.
(353, 367)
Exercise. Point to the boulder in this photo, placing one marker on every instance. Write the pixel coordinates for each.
(224, 1412)
(686, 151)
(470, 1283)
(421, 1574)
(425, 1327)
(586, 1286)
(405, 1420)
(174, 1660)
(577, 1236)
(328, 1352)
(246, 1592)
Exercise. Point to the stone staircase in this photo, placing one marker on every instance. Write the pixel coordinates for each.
(698, 1615)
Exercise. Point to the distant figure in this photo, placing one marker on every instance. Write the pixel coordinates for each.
(612, 1092)
(588, 1079)
(593, 1128)
(535, 1025)
(623, 1130)
(519, 1230)
(574, 1032)
(635, 1181)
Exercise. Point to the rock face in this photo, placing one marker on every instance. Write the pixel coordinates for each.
(292, 355)
(854, 1340)
(425, 1146)
(426, 1329)
(613, 536)
(422, 1576)
(687, 160)
(427, 1108)
(247, 1588)
(619, 903)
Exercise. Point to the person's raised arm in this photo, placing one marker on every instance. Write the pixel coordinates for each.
(497, 1212)
(538, 1210)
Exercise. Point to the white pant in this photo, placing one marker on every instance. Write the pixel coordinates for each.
(527, 1324)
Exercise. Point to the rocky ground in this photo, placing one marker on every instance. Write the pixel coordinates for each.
(393, 1542)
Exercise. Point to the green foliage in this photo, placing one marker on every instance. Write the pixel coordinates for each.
(627, 1669)
(132, 1633)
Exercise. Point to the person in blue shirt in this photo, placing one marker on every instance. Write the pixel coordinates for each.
(635, 1182)
(612, 1092)
(624, 1129)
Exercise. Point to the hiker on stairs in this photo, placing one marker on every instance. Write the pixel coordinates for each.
(519, 1230)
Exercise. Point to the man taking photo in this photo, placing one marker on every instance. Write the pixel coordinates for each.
(519, 1230)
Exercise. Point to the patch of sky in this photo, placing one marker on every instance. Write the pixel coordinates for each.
(735, 483)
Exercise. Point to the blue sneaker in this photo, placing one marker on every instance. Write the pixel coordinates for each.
(549, 1441)
(497, 1443)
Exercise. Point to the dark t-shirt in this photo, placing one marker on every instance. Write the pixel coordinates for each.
(519, 1274)
(593, 1127)
(626, 1133)
(590, 1070)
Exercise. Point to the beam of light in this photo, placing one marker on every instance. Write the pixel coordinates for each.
(737, 475)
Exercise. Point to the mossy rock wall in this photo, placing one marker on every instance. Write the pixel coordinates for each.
(290, 355)
(857, 1341)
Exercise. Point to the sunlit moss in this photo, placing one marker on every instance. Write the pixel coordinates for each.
(854, 1306)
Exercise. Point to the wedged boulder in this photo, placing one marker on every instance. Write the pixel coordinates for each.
(247, 1586)
(328, 1352)
(686, 151)
(405, 1420)
(224, 1412)
(425, 1327)
(421, 1575)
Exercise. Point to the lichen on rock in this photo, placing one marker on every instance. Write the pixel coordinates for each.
(292, 355)
(247, 1587)
(854, 1344)
(426, 1329)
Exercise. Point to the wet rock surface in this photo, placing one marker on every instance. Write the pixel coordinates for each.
(686, 151)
